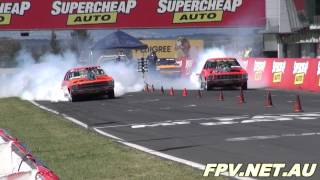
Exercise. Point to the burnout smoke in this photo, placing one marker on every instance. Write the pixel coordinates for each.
(190, 82)
(37, 81)
(42, 81)
(126, 77)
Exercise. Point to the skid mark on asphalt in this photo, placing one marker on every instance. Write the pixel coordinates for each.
(227, 120)
(252, 138)
(144, 101)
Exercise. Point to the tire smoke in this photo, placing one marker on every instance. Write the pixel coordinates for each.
(37, 81)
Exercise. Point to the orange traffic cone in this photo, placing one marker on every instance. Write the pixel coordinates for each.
(171, 92)
(199, 93)
(297, 105)
(241, 99)
(184, 92)
(268, 100)
(221, 97)
(162, 90)
(152, 88)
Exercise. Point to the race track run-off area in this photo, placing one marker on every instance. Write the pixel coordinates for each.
(205, 130)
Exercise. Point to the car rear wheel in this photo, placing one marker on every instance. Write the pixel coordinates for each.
(111, 94)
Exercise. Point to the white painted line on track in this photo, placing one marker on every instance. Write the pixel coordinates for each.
(217, 123)
(107, 134)
(43, 107)
(176, 122)
(63, 115)
(251, 138)
(75, 121)
(163, 155)
(227, 120)
(138, 147)
(191, 105)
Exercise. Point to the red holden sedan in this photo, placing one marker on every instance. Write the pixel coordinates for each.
(87, 80)
(222, 72)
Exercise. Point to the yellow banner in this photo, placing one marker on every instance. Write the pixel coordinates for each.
(94, 18)
(299, 78)
(257, 76)
(277, 77)
(165, 48)
(202, 16)
(5, 19)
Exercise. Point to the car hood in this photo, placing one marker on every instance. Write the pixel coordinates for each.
(96, 80)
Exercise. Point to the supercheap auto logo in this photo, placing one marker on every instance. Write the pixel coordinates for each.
(300, 69)
(278, 69)
(9, 9)
(92, 12)
(259, 67)
(192, 11)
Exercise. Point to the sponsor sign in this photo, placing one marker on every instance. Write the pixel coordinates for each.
(165, 48)
(318, 73)
(284, 73)
(259, 67)
(86, 14)
(278, 69)
(94, 12)
(300, 70)
(10, 9)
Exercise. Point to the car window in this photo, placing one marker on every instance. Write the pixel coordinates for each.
(99, 72)
(86, 73)
(221, 63)
(210, 64)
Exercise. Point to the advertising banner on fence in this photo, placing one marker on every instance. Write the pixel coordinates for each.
(166, 48)
(94, 14)
(284, 73)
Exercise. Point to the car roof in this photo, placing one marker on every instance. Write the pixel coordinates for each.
(221, 59)
(83, 67)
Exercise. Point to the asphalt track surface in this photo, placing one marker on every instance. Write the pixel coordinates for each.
(205, 130)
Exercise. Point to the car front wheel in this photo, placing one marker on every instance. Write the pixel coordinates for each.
(111, 94)
(71, 97)
(244, 86)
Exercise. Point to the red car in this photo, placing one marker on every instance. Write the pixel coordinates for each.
(221, 72)
(18, 163)
(87, 80)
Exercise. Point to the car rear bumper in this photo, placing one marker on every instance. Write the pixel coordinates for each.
(227, 82)
(92, 90)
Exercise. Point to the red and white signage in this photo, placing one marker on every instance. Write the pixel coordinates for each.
(285, 73)
(93, 14)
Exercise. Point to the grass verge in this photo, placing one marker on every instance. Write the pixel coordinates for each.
(75, 153)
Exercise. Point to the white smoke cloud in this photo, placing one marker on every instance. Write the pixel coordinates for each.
(190, 82)
(126, 77)
(32, 80)
(37, 81)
